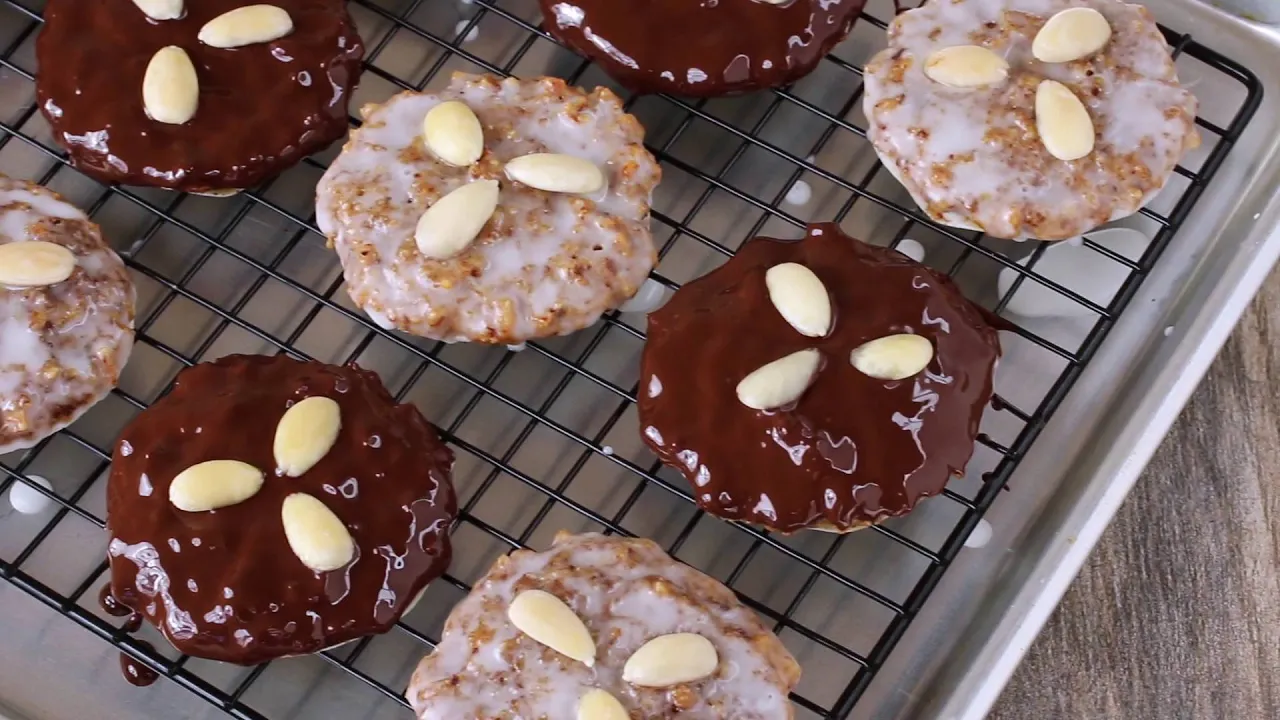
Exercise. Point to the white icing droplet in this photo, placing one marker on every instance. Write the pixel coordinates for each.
(655, 386)
(607, 449)
(980, 536)
(912, 249)
(144, 485)
(1168, 331)
(651, 295)
(125, 448)
(1080, 269)
(375, 441)
(26, 499)
(517, 348)
(471, 36)
(799, 194)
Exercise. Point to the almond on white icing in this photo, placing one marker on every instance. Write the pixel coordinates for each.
(545, 618)
(671, 660)
(35, 263)
(966, 66)
(1072, 34)
(1063, 121)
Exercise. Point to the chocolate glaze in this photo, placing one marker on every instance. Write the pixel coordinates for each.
(853, 450)
(263, 107)
(702, 48)
(224, 584)
(135, 672)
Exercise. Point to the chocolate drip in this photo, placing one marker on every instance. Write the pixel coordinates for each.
(135, 672)
(262, 107)
(852, 450)
(703, 49)
(225, 584)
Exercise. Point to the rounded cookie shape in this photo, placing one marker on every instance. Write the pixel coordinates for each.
(64, 343)
(261, 107)
(230, 583)
(543, 262)
(851, 449)
(627, 593)
(977, 157)
(702, 49)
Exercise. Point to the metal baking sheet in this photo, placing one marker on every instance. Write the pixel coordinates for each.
(547, 433)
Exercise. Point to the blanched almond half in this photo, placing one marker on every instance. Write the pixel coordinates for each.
(245, 26)
(893, 357)
(966, 66)
(554, 172)
(800, 298)
(35, 264)
(545, 618)
(671, 660)
(452, 131)
(315, 534)
(1072, 34)
(214, 484)
(1063, 121)
(170, 89)
(305, 434)
(160, 9)
(449, 226)
(780, 382)
(600, 705)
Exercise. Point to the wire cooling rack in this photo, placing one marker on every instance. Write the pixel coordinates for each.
(546, 435)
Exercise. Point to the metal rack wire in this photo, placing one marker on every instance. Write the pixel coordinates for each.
(177, 245)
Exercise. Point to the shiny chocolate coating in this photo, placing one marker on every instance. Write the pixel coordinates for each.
(224, 584)
(853, 450)
(702, 48)
(262, 107)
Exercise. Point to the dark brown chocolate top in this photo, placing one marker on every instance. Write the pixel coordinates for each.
(702, 48)
(224, 584)
(852, 450)
(262, 108)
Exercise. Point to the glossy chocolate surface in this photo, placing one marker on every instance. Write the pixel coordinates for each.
(262, 107)
(702, 48)
(225, 584)
(852, 450)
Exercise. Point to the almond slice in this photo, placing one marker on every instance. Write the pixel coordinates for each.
(315, 534)
(671, 660)
(555, 172)
(966, 66)
(160, 9)
(452, 131)
(170, 88)
(449, 226)
(305, 434)
(1063, 121)
(214, 484)
(600, 705)
(35, 263)
(800, 298)
(245, 26)
(1072, 34)
(545, 618)
(780, 382)
(893, 357)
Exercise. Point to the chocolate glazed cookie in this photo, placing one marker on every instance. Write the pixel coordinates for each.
(301, 535)
(261, 107)
(702, 48)
(839, 449)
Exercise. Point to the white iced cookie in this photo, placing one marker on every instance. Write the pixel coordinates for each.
(1028, 118)
(494, 211)
(66, 314)
(599, 624)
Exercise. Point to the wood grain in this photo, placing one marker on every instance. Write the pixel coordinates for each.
(1177, 613)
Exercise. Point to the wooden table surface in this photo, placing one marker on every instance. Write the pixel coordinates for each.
(1176, 615)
